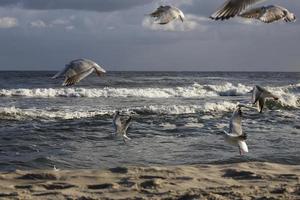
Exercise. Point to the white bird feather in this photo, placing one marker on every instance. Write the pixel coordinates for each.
(235, 136)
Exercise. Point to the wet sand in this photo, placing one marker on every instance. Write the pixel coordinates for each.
(252, 180)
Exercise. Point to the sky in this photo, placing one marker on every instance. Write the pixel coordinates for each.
(118, 35)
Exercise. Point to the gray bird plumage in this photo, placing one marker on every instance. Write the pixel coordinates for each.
(259, 96)
(231, 8)
(77, 70)
(121, 124)
(269, 14)
(165, 14)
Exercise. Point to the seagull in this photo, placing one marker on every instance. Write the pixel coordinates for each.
(269, 14)
(77, 70)
(55, 169)
(259, 96)
(121, 124)
(236, 136)
(232, 8)
(166, 14)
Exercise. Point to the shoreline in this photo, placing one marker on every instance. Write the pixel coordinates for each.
(252, 180)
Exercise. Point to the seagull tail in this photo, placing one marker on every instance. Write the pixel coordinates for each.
(243, 146)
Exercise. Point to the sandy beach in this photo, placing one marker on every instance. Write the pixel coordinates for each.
(252, 180)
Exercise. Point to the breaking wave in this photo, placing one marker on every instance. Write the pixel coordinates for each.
(23, 114)
(33, 113)
(186, 109)
(289, 96)
(195, 90)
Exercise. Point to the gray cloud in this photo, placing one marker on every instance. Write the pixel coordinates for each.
(118, 40)
(8, 22)
(92, 5)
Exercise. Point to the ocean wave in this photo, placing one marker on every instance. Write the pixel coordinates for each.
(288, 97)
(229, 89)
(192, 91)
(33, 113)
(186, 109)
(205, 109)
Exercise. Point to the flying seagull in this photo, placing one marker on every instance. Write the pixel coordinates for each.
(121, 124)
(232, 8)
(165, 14)
(259, 96)
(235, 136)
(77, 70)
(269, 14)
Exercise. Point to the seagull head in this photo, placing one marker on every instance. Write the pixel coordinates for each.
(290, 17)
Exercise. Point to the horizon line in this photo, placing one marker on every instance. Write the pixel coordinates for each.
(236, 71)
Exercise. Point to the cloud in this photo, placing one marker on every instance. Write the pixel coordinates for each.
(8, 22)
(38, 24)
(197, 44)
(190, 23)
(92, 5)
(65, 23)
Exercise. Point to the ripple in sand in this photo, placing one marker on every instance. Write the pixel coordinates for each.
(41, 176)
(241, 175)
(101, 186)
(58, 186)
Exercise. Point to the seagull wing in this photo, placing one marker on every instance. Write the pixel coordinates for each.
(235, 125)
(261, 103)
(267, 94)
(126, 124)
(253, 13)
(232, 8)
(256, 93)
(117, 123)
(89, 63)
(167, 16)
(272, 14)
(159, 11)
(74, 77)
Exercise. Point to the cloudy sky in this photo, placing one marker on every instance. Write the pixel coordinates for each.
(45, 35)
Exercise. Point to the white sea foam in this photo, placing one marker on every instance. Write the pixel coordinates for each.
(289, 94)
(109, 92)
(168, 126)
(65, 113)
(286, 97)
(222, 106)
(32, 113)
(192, 91)
(194, 125)
(228, 89)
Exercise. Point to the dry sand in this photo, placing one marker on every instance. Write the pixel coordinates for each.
(231, 181)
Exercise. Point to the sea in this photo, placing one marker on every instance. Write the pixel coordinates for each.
(178, 118)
